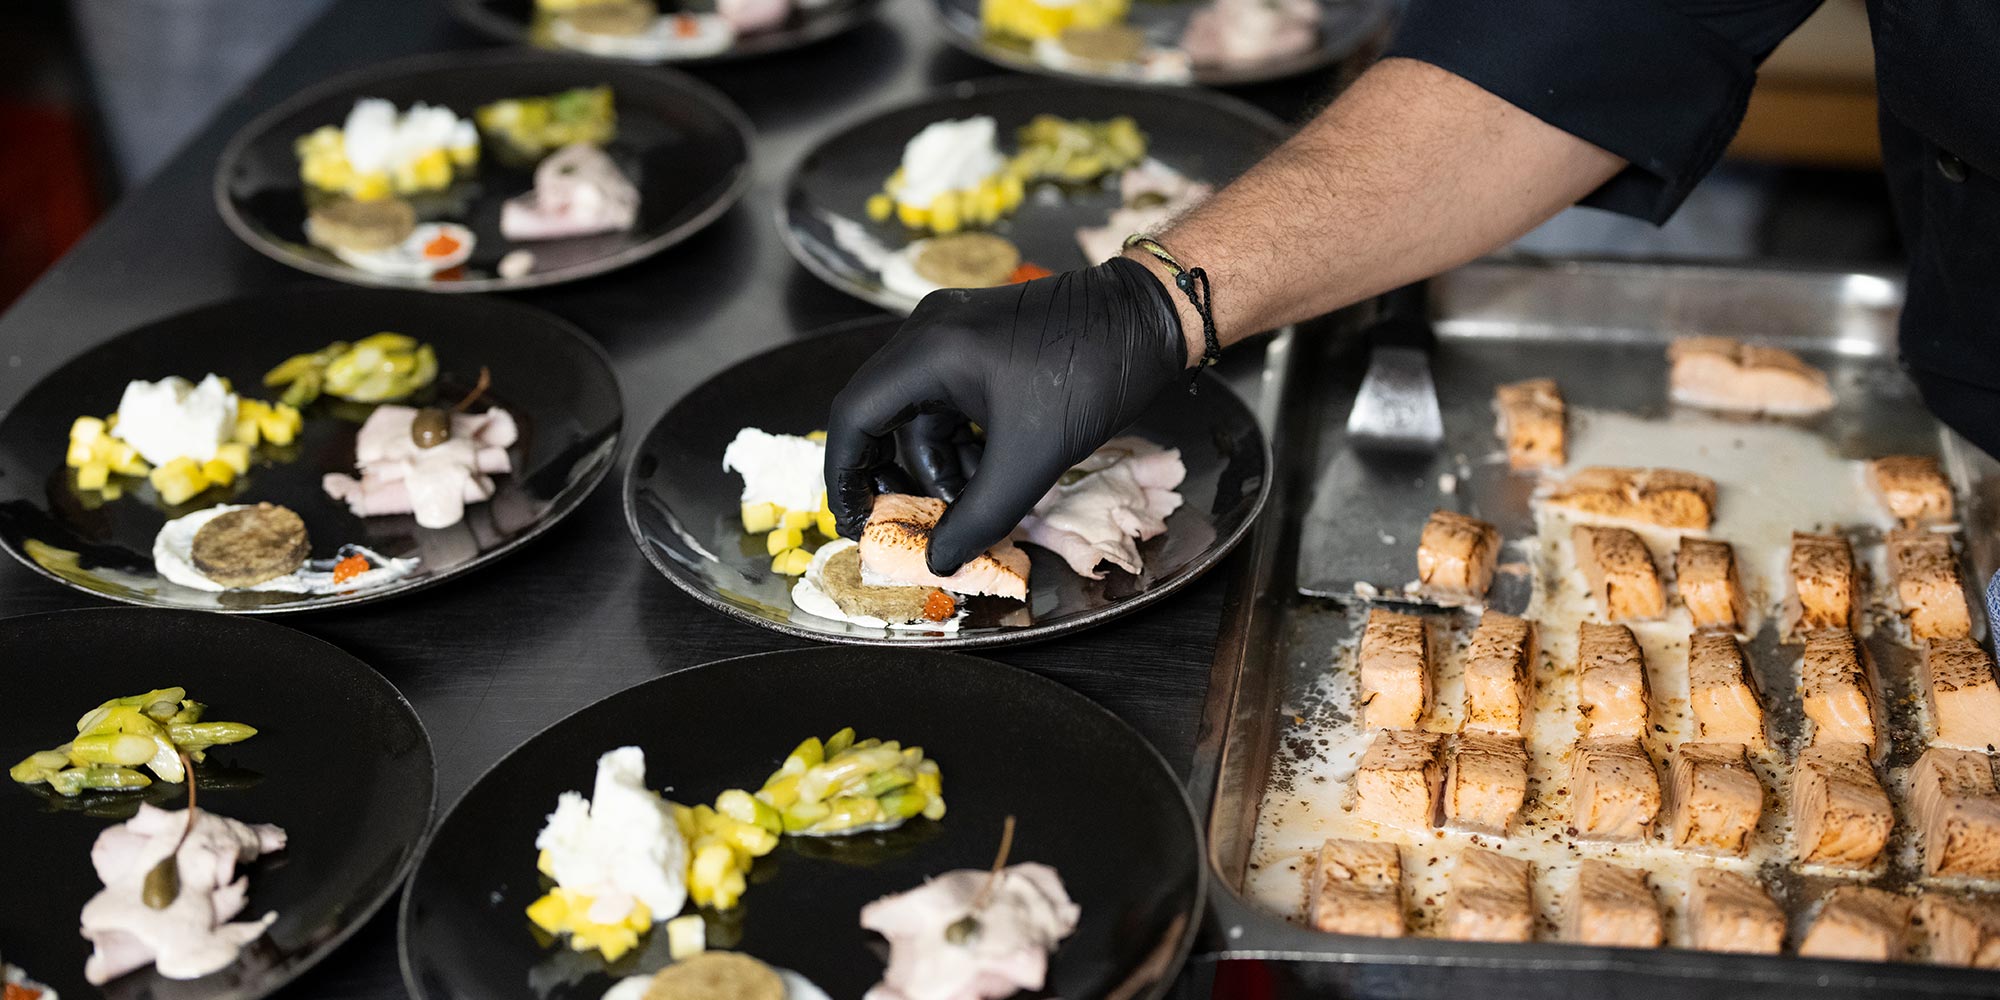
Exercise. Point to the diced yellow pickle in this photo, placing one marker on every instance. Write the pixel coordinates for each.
(687, 936)
(760, 517)
(93, 476)
(125, 459)
(274, 427)
(218, 472)
(792, 563)
(796, 520)
(86, 429)
(880, 206)
(178, 481)
(783, 538)
(234, 455)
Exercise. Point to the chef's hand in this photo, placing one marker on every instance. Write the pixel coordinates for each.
(1050, 369)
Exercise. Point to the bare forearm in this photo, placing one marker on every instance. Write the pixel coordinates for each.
(1411, 172)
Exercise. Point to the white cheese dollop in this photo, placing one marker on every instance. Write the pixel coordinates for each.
(621, 845)
(951, 155)
(783, 469)
(378, 140)
(174, 418)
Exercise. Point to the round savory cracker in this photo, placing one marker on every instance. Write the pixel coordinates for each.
(363, 226)
(246, 547)
(717, 975)
(623, 18)
(967, 260)
(1114, 43)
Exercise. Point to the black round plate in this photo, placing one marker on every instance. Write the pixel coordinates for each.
(512, 20)
(684, 510)
(557, 383)
(1344, 25)
(1210, 137)
(340, 761)
(1090, 797)
(683, 144)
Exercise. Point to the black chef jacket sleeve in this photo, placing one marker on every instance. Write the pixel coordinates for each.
(1661, 83)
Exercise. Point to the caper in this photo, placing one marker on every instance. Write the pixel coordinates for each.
(432, 427)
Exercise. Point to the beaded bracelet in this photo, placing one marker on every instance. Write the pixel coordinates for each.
(1193, 282)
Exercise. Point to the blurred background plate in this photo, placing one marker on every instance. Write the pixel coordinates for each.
(514, 21)
(340, 761)
(1091, 798)
(681, 143)
(556, 383)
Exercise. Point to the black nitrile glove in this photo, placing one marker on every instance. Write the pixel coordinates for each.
(1050, 369)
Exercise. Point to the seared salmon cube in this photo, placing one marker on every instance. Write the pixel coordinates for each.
(1705, 573)
(1839, 697)
(1398, 779)
(1960, 691)
(1614, 791)
(1530, 422)
(1486, 779)
(1927, 584)
(1959, 931)
(1357, 888)
(1456, 554)
(1912, 487)
(1612, 688)
(1669, 498)
(1730, 911)
(1719, 373)
(1612, 905)
(1620, 569)
(1716, 798)
(1957, 811)
(1860, 923)
(1825, 589)
(1720, 694)
(1395, 670)
(1497, 675)
(1489, 898)
(1840, 814)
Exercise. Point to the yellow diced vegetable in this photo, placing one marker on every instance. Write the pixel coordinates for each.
(178, 481)
(760, 517)
(796, 520)
(782, 539)
(246, 431)
(793, 562)
(93, 476)
(235, 455)
(687, 936)
(86, 429)
(277, 424)
(218, 472)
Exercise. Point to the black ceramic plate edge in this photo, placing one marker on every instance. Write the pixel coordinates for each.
(1217, 551)
(501, 28)
(557, 512)
(1182, 949)
(781, 214)
(226, 206)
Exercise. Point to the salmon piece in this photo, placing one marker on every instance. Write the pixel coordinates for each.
(1840, 699)
(1456, 554)
(1856, 922)
(1705, 573)
(1668, 498)
(1959, 931)
(1719, 373)
(1531, 423)
(1497, 672)
(1357, 888)
(1840, 814)
(1957, 811)
(1489, 898)
(1399, 778)
(1717, 798)
(1719, 691)
(1612, 905)
(1912, 487)
(1927, 584)
(1620, 570)
(1612, 690)
(898, 536)
(1959, 688)
(1825, 590)
(1485, 782)
(1614, 791)
(1730, 911)
(1395, 670)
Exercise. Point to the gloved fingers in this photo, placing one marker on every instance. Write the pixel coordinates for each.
(1014, 472)
(860, 447)
(930, 446)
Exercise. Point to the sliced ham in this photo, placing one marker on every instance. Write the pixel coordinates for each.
(1167, 193)
(193, 936)
(754, 15)
(1247, 32)
(578, 192)
(1101, 509)
(436, 483)
(1026, 914)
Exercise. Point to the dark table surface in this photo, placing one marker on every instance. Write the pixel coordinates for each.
(492, 658)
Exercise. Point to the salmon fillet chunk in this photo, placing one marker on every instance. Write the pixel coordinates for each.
(1720, 373)
(1912, 487)
(1959, 931)
(1705, 573)
(1620, 570)
(1860, 923)
(1612, 690)
(898, 537)
(1531, 422)
(1956, 808)
(1668, 498)
(1486, 780)
(1840, 814)
(1825, 587)
(1716, 798)
(1720, 694)
(1960, 692)
(1456, 554)
(1497, 675)
(1614, 791)
(1612, 905)
(1399, 778)
(1489, 898)
(1839, 697)
(1357, 888)
(1395, 670)
(1927, 584)
(1730, 911)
